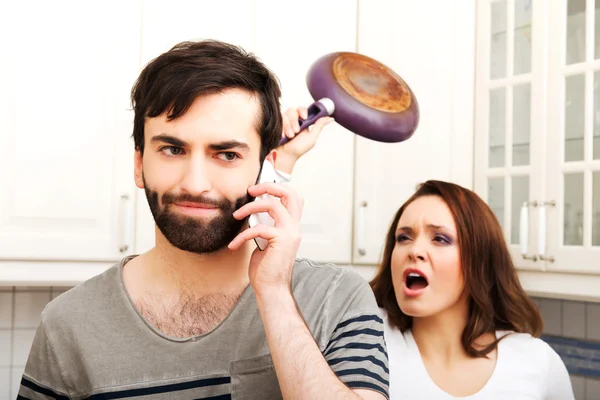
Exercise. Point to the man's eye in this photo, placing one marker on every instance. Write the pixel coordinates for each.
(228, 156)
(171, 150)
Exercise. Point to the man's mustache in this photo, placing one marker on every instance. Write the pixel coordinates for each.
(170, 198)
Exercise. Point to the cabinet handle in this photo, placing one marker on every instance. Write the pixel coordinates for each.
(542, 231)
(524, 230)
(361, 228)
(125, 223)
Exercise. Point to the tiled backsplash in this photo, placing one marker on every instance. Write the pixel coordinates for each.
(20, 310)
(576, 320)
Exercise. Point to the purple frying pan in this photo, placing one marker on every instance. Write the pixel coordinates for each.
(363, 95)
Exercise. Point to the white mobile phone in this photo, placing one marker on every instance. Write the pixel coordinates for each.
(267, 174)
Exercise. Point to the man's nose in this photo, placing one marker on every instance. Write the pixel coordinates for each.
(196, 179)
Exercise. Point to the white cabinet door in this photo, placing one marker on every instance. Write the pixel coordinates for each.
(289, 38)
(510, 120)
(573, 166)
(164, 26)
(426, 44)
(66, 174)
(553, 47)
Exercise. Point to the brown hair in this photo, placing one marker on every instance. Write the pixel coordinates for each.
(172, 81)
(497, 300)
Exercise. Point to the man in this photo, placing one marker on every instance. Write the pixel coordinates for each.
(205, 314)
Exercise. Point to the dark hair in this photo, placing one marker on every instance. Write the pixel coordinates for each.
(497, 300)
(172, 81)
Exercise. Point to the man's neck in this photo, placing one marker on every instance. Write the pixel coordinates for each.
(184, 294)
(167, 269)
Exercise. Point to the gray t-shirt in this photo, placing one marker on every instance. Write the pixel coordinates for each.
(93, 343)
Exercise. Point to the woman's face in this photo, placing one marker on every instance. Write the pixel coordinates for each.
(426, 268)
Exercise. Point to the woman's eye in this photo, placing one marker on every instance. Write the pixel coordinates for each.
(401, 238)
(442, 239)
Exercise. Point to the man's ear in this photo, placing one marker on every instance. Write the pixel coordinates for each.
(272, 157)
(138, 169)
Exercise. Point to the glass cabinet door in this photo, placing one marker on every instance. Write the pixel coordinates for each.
(508, 122)
(573, 192)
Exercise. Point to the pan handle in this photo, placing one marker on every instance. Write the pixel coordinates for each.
(318, 109)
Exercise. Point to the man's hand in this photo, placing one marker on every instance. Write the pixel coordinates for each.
(302, 371)
(303, 141)
(271, 269)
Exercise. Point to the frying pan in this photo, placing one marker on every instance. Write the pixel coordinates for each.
(363, 95)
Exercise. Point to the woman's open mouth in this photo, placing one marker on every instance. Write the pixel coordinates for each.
(415, 282)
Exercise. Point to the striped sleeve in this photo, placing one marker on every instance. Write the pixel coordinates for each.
(356, 351)
(42, 379)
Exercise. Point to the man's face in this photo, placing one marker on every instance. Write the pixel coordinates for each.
(196, 169)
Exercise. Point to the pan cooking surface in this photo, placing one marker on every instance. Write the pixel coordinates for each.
(371, 83)
(371, 100)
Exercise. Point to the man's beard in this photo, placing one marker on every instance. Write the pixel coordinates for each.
(193, 234)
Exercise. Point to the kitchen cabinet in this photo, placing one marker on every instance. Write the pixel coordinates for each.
(344, 171)
(433, 52)
(325, 175)
(83, 206)
(537, 158)
(67, 192)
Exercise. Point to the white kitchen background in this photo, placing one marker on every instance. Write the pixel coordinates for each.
(507, 91)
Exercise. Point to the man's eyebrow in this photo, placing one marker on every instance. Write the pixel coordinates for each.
(228, 145)
(172, 140)
(218, 146)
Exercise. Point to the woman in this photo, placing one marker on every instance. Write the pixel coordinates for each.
(458, 323)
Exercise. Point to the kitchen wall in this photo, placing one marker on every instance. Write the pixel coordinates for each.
(573, 329)
(20, 310)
